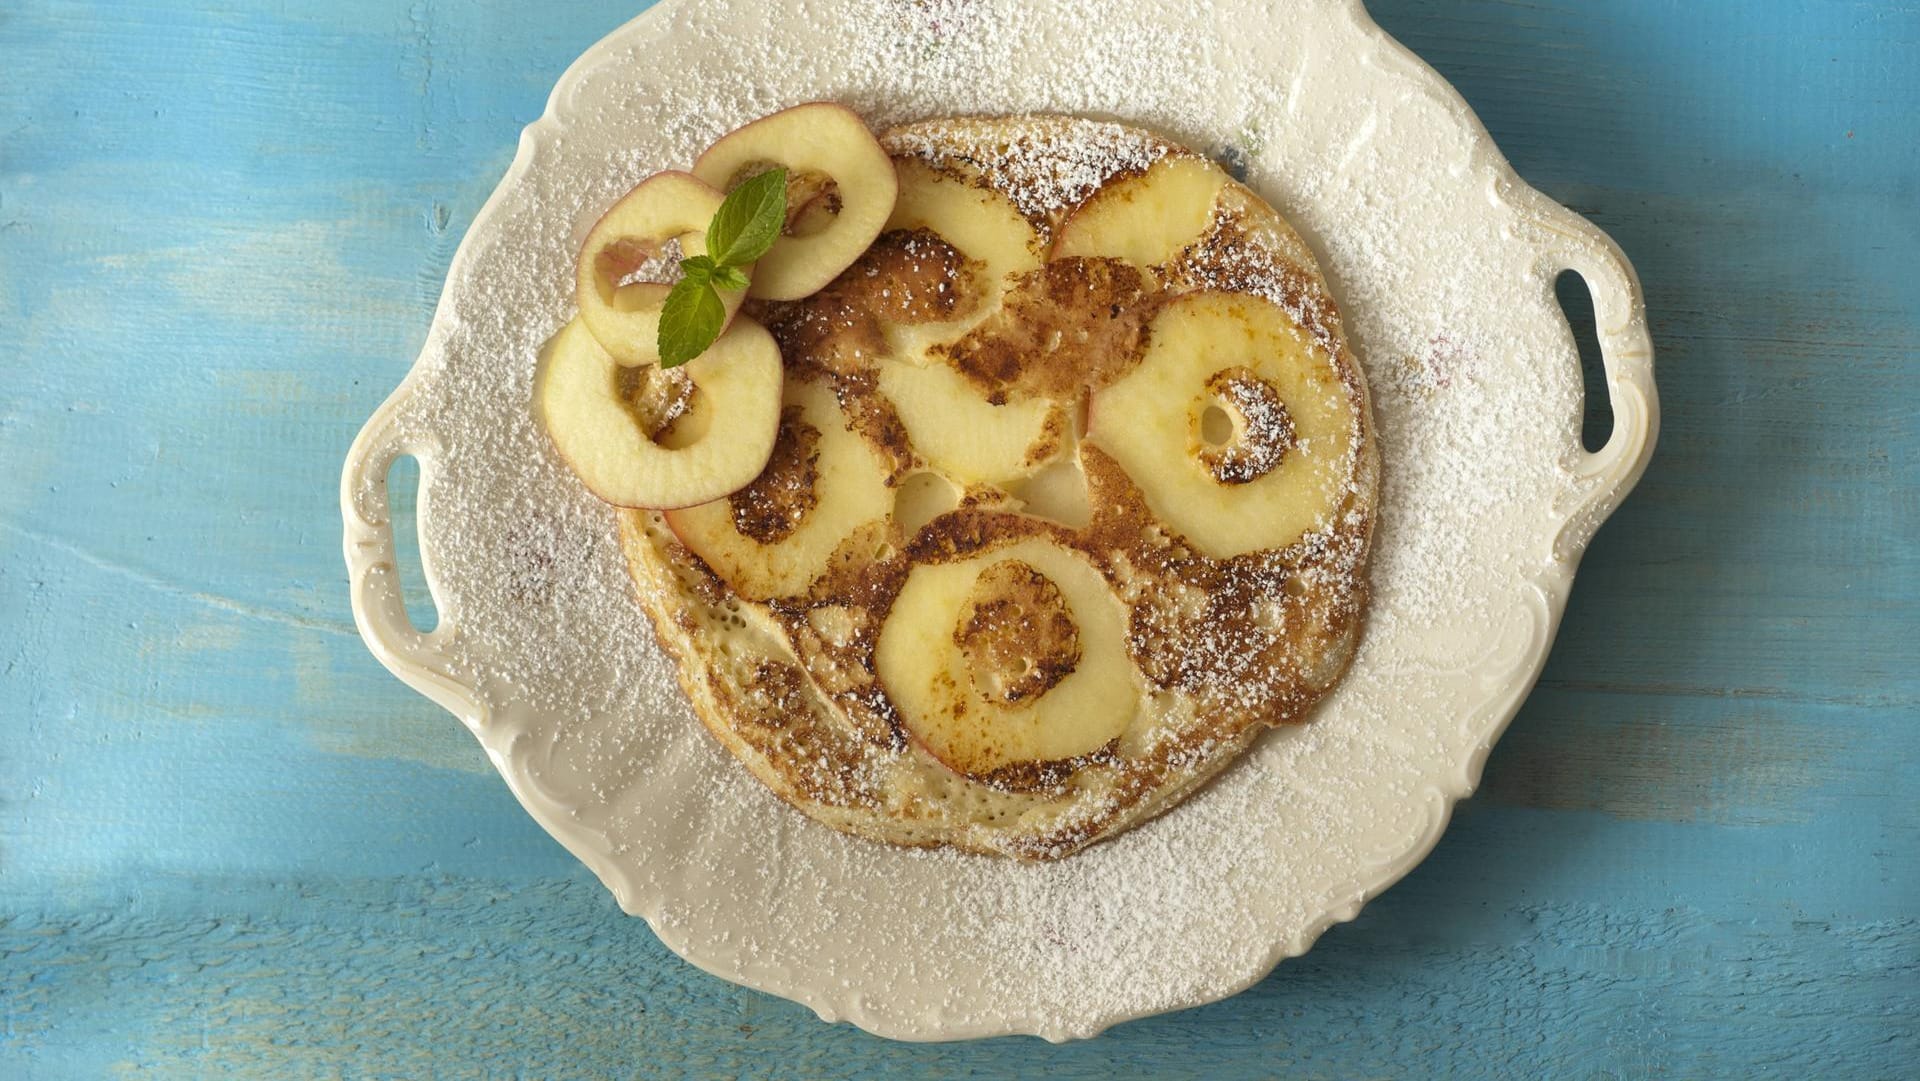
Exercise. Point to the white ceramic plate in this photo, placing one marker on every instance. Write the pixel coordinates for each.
(1444, 263)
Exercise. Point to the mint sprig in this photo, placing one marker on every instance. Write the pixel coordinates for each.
(745, 226)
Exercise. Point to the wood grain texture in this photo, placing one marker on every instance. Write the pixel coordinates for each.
(231, 845)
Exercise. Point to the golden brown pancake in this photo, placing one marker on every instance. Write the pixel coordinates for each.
(1072, 497)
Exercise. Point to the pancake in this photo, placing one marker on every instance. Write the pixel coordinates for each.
(1071, 498)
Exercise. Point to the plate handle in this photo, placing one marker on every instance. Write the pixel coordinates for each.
(429, 663)
(1603, 477)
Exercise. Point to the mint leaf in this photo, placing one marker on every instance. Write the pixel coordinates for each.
(745, 226)
(689, 321)
(749, 219)
(699, 268)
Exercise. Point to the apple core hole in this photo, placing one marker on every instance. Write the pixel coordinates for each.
(1216, 427)
(1057, 493)
(921, 498)
(813, 197)
(403, 491)
(668, 406)
(638, 262)
(812, 209)
(687, 429)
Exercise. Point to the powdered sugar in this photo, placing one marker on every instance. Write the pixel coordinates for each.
(1043, 167)
(1475, 398)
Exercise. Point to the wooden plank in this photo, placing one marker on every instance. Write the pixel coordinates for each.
(230, 843)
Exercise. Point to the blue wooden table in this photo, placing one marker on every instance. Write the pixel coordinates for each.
(230, 844)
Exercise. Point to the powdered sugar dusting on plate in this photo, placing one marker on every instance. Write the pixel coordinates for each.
(1473, 402)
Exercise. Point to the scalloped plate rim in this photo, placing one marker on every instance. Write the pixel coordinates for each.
(1552, 584)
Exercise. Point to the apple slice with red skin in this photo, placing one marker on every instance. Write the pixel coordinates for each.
(813, 141)
(722, 443)
(625, 319)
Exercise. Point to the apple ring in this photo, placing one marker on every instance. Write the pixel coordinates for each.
(980, 223)
(625, 319)
(715, 450)
(1064, 689)
(825, 484)
(813, 141)
(1276, 460)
